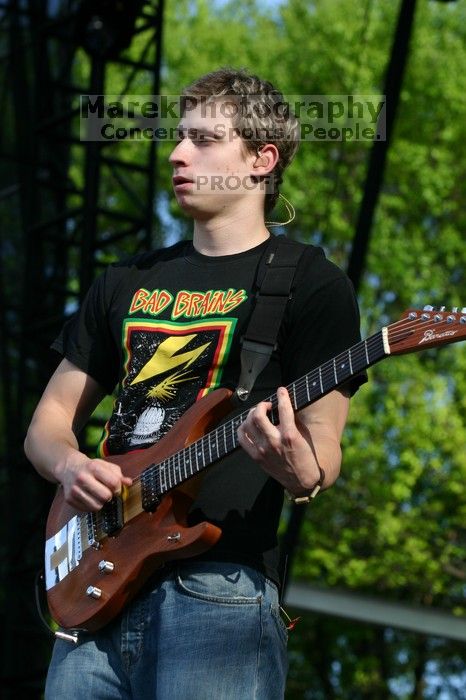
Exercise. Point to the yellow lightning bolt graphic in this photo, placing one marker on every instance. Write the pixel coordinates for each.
(165, 359)
(166, 389)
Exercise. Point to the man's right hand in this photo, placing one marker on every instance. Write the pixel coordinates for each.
(88, 484)
(51, 444)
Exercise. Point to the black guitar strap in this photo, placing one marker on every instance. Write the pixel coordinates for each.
(274, 281)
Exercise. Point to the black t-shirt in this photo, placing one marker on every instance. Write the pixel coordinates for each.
(164, 328)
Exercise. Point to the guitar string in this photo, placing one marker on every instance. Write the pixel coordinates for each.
(328, 369)
(300, 390)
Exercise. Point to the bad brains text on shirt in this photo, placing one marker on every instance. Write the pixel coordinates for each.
(186, 304)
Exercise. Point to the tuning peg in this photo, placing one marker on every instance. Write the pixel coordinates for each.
(428, 307)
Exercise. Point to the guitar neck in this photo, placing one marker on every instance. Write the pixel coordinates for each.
(158, 479)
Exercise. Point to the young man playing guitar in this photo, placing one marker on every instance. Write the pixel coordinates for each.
(165, 328)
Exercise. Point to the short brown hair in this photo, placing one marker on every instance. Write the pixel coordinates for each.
(267, 120)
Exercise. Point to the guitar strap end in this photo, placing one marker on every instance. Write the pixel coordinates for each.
(254, 357)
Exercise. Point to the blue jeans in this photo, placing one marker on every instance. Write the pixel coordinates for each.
(205, 631)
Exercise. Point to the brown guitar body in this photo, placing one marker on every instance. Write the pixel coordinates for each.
(147, 540)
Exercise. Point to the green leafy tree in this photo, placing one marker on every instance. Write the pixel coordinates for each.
(394, 523)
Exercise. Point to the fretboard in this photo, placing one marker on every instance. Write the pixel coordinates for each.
(158, 479)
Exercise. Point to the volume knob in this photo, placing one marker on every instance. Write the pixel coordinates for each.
(106, 567)
(94, 592)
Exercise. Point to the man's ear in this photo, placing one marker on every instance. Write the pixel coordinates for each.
(266, 160)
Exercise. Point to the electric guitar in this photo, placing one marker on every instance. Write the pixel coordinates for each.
(95, 563)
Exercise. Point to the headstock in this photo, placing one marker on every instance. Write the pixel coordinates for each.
(419, 329)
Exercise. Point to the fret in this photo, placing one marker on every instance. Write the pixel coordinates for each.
(209, 445)
(188, 460)
(201, 452)
(307, 388)
(236, 422)
(171, 479)
(184, 464)
(197, 455)
(350, 362)
(320, 380)
(171, 472)
(367, 353)
(335, 371)
(188, 456)
(170, 485)
(176, 471)
(314, 385)
(163, 478)
(232, 434)
(342, 367)
(225, 438)
(358, 357)
(326, 374)
(193, 457)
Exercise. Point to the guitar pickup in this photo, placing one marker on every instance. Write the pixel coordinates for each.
(150, 495)
(112, 516)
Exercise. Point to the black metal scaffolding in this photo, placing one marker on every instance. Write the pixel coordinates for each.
(58, 225)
